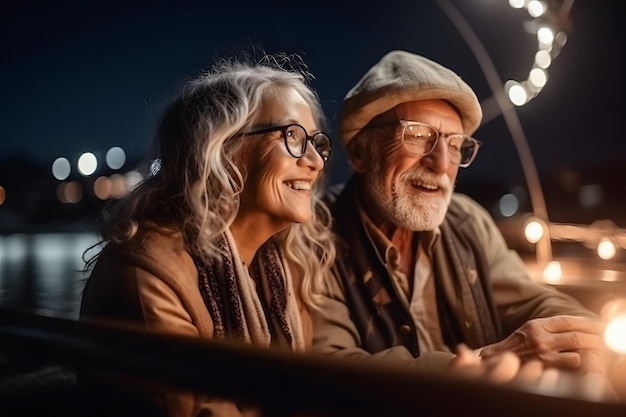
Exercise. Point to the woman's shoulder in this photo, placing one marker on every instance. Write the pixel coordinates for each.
(156, 238)
(157, 249)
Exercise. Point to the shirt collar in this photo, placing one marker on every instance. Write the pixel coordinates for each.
(386, 251)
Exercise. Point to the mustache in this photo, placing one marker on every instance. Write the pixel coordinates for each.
(422, 175)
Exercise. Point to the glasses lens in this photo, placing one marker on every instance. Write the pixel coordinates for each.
(322, 145)
(419, 139)
(295, 140)
(461, 149)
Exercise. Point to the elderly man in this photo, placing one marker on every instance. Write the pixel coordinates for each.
(422, 269)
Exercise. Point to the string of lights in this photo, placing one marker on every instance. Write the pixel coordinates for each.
(549, 23)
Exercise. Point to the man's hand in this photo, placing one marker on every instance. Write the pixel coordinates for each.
(499, 368)
(531, 376)
(566, 342)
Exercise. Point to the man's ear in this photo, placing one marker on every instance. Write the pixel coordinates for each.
(356, 159)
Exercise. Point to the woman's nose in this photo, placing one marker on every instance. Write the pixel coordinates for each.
(312, 158)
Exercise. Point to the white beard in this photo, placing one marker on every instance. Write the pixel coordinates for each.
(406, 206)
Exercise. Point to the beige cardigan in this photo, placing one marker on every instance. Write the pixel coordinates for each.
(152, 281)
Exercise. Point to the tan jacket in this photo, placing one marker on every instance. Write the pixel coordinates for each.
(152, 281)
(516, 297)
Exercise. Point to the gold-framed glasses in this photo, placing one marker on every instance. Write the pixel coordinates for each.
(420, 139)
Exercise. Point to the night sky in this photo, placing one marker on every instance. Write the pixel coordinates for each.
(85, 76)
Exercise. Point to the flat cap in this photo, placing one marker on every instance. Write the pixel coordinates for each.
(401, 77)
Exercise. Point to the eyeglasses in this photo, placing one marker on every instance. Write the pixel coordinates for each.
(420, 139)
(296, 139)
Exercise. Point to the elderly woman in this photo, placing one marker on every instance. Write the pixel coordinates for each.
(227, 237)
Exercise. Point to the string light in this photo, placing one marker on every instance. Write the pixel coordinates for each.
(551, 37)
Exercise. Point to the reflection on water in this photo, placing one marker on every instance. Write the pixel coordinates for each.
(43, 271)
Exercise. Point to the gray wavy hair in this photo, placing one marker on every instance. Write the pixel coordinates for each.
(198, 183)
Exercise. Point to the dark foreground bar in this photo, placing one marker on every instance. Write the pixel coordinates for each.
(286, 383)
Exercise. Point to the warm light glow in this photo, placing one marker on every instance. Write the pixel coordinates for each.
(538, 77)
(70, 192)
(606, 249)
(518, 95)
(536, 8)
(533, 231)
(615, 334)
(545, 36)
(87, 164)
(61, 168)
(543, 59)
(102, 188)
(3, 195)
(553, 273)
(118, 186)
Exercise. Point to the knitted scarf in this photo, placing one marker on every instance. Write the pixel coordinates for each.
(257, 307)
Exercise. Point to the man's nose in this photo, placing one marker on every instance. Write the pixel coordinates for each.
(438, 159)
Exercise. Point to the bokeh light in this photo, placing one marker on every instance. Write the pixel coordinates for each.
(615, 334)
(517, 94)
(118, 186)
(536, 8)
(70, 192)
(545, 36)
(543, 59)
(533, 231)
(508, 205)
(61, 168)
(87, 164)
(102, 188)
(538, 77)
(606, 249)
(115, 157)
(552, 272)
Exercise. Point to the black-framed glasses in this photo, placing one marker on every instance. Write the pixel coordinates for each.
(296, 139)
(420, 139)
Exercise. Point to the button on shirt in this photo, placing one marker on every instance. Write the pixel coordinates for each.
(416, 293)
